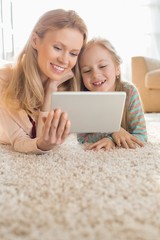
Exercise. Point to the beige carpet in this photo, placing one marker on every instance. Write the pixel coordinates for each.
(77, 195)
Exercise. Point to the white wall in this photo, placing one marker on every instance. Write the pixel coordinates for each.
(113, 19)
(120, 21)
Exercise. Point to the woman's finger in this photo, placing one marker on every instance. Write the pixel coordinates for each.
(61, 126)
(55, 123)
(47, 125)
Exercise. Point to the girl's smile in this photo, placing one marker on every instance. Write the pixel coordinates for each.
(98, 69)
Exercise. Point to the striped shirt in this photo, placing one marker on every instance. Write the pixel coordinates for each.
(136, 124)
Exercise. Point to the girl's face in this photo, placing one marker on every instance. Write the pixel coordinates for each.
(57, 52)
(98, 69)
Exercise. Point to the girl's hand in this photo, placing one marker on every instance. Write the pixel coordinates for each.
(125, 139)
(56, 129)
(104, 143)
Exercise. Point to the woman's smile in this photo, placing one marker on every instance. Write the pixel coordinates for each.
(57, 69)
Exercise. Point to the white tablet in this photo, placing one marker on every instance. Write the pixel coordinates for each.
(91, 112)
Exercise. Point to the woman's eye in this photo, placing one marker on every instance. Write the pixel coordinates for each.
(57, 48)
(74, 54)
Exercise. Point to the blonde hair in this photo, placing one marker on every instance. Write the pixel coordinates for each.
(24, 89)
(119, 86)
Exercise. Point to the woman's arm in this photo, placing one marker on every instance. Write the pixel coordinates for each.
(16, 130)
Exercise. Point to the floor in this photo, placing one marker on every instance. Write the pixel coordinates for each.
(152, 117)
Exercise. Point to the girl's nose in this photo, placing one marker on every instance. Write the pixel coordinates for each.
(96, 75)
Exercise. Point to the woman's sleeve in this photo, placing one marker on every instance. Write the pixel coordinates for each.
(137, 124)
(15, 130)
(40, 122)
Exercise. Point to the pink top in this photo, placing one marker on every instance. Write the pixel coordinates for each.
(16, 127)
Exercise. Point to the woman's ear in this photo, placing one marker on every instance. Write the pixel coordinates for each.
(34, 40)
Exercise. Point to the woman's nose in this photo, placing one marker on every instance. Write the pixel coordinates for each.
(64, 58)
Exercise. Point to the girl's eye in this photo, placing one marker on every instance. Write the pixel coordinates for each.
(103, 66)
(86, 71)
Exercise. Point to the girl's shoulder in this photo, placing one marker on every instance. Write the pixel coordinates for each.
(129, 87)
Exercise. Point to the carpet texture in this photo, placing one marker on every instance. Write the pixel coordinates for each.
(75, 194)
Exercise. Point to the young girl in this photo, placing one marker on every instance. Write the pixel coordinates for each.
(100, 71)
(45, 65)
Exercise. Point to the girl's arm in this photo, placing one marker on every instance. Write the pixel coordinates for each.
(137, 127)
(137, 124)
(91, 137)
(97, 141)
(137, 134)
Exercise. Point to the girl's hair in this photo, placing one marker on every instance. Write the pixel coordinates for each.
(25, 89)
(119, 86)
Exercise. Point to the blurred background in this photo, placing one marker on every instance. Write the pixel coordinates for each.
(131, 25)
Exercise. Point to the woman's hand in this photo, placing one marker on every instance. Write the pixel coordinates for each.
(104, 143)
(50, 87)
(56, 129)
(126, 140)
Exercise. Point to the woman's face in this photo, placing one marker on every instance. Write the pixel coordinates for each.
(98, 69)
(57, 52)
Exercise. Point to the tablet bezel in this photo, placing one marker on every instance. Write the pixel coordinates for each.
(91, 111)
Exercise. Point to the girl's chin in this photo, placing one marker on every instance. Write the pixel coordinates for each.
(101, 90)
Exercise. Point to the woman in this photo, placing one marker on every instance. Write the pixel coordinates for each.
(46, 64)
